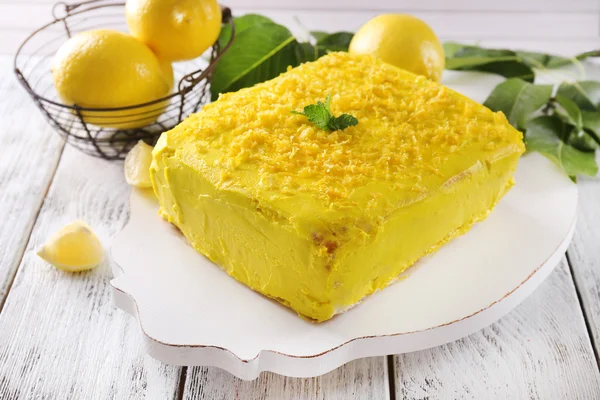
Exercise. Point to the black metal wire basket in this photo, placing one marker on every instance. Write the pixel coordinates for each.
(32, 67)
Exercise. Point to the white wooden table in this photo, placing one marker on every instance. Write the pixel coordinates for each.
(61, 337)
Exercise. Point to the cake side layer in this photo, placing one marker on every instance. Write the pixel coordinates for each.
(235, 234)
(420, 229)
(318, 279)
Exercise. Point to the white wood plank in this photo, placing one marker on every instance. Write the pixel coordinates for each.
(12, 15)
(10, 40)
(30, 152)
(24, 16)
(421, 5)
(541, 350)
(17, 20)
(409, 5)
(468, 24)
(360, 379)
(60, 335)
(471, 25)
(584, 254)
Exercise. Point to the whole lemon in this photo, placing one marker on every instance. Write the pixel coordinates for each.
(401, 40)
(110, 69)
(167, 70)
(175, 30)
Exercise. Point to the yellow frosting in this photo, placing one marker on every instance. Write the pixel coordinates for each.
(316, 219)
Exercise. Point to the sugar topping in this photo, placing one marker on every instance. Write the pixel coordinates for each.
(409, 129)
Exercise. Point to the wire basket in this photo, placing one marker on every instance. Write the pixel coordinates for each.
(32, 67)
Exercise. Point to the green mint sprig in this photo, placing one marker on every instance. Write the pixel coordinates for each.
(320, 115)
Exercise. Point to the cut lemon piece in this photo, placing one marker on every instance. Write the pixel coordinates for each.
(73, 248)
(137, 165)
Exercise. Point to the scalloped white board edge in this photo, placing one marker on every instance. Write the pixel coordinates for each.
(192, 313)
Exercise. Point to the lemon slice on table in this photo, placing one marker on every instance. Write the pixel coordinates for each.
(137, 165)
(73, 248)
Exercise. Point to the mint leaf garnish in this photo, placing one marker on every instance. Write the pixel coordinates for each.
(342, 122)
(320, 115)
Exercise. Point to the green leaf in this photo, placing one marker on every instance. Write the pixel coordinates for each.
(516, 63)
(263, 49)
(459, 50)
(342, 122)
(591, 121)
(502, 66)
(328, 103)
(588, 54)
(326, 43)
(542, 60)
(591, 124)
(320, 115)
(305, 52)
(508, 69)
(318, 34)
(544, 135)
(518, 100)
(476, 51)
(583, 141)
(451, 48)
(569, 111)
(497, 61)
(241, 24)
(339, 41)
(459, 63)
(576, 136)
(586, 94)
(259, 52)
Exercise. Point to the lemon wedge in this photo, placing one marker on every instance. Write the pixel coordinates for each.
(137, 165)
(73, 248)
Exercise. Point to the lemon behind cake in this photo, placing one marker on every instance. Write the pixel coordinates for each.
(318, 220)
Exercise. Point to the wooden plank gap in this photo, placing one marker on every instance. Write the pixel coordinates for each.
(391, 376)
(30, 230)
(584, 311)
(181, 385)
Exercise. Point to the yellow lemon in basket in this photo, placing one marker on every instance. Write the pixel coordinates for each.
(175, 30)
(404, 41)
(73, 248)
(109, 69)
(167, 70)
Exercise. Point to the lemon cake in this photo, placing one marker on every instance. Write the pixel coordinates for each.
(320, 219)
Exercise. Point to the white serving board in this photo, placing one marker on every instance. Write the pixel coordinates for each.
(193, 313)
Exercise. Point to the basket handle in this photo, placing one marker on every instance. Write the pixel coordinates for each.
(69, 7)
